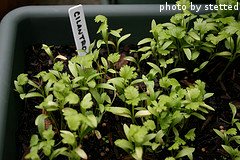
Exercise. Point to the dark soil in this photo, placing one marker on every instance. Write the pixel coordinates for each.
(207, 143)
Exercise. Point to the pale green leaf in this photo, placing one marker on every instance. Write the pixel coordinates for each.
(186, 151)
(188, 53)
(130, 58)
(68, 137)
(219, 133)
(72, 98)
(175, 70)
(34, 140)
(86, 102)
(57, 152)
(81, 153)
(124, 144)
(72, 117)
(122, 39)
(224, 54)
(166, 45)
(105, 86)
(155, 67)
(142, 113)
(73, 69)
(191, 134)
(121, 111)
(40, 122)
(145, 40)
(33, 94)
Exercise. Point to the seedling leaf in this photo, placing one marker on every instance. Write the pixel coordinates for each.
(188, 53)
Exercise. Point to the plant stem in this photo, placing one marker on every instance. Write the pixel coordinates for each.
(220, 76)
(133, 116)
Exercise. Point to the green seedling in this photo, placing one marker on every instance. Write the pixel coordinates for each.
(231, 137)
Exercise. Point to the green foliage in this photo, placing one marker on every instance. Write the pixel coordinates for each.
(137, 137)
(178, 43)
(74, 95)
(231, 136)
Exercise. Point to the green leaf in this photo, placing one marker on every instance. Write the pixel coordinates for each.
(40, 122)
(19, 88)
(81, 153)
(131, 59)
(231, 131)
(112, 71)
(100, 18)
(145, 56)
(124, 144)
(72, 117)
(228, 149)
(57, 152)
(47, 146)
(144, 49)
(92, 84)
(73, 69)
(116, 33)
(175, 70)
(194, 35)
(126, 131)
(190, 135)
(150, 125)
(104, 62)
(68, 137)
(139, 152)
(48, 51)
(33, 94)
(58, 66)
(122, 39)
(142, 113)
(224, 54)
(195, 55)
(207, 95)
(33, 154)
(177, 144)
(91, 121)
(177, 32)
(131, 93)
(188, 53)
(118, 81)
(186, 151)
(233, 109)
(193, 106)
(155, 67)
(22, 79)
(87, 103)
(114, 57)
(105, 86)
(34, 140)
(145, 40)
(198, 115)
(48, 134)
(201, 66)
(238, 125)
(219, 133)
(72, 98)
(120, 111)
(100, 43)
(166, 45)
(127, 72)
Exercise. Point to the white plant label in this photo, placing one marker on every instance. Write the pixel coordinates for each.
(79, 29)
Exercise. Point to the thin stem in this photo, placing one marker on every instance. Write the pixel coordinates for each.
(229, 63)
(133, 116)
